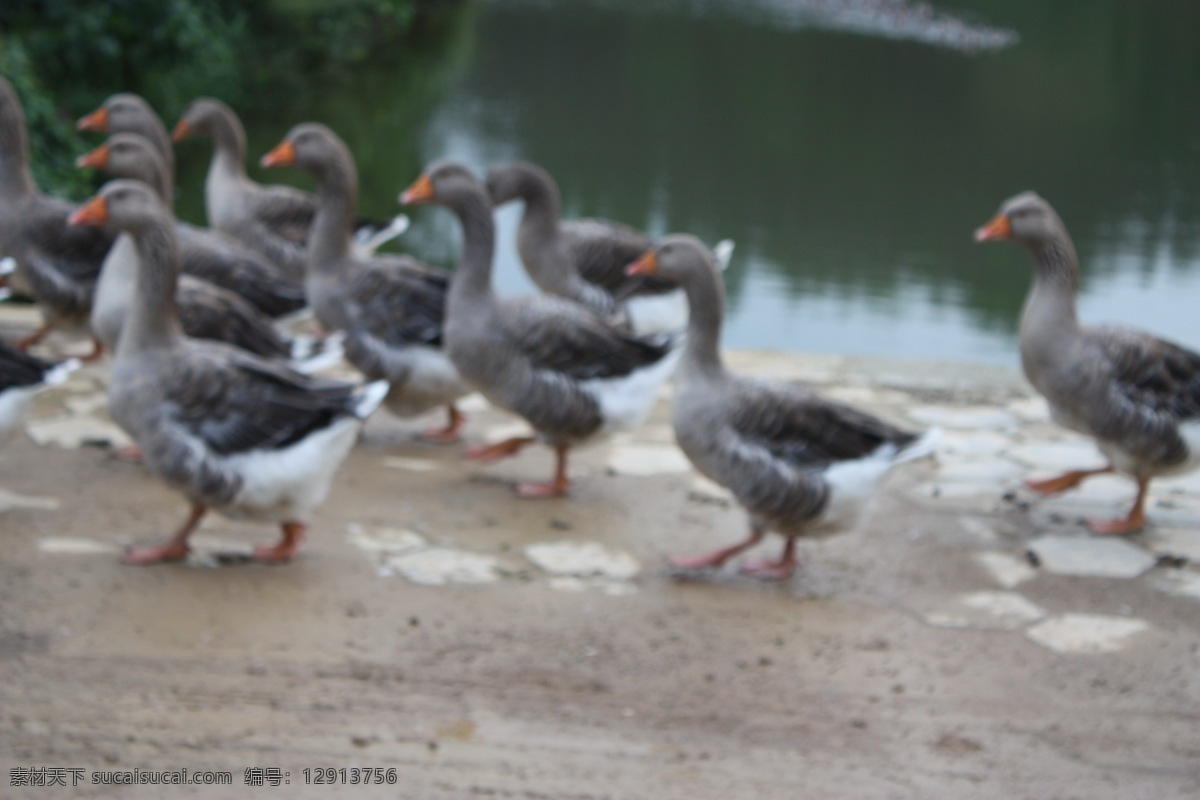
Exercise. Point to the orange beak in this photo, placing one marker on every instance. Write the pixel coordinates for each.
(93, 213)
(181, 132)
(998, 228)
(647, 264)
(95, 121)
(421, 191)
(284, 155)
(96, 159)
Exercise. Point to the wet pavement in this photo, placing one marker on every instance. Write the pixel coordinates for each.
(967, 640)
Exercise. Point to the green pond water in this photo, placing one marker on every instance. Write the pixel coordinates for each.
(850, 155)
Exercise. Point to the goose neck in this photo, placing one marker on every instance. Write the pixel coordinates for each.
(473, 277)
(153, 317)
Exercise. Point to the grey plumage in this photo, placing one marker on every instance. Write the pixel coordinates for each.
(56, 264)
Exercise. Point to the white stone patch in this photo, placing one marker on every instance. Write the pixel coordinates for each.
(12, 500)
(1091, 556)
(1058, 456)
(1005, 568)
(384, 540)
(994, 471)
(494, 434)
(1188, 483)
(1175, 542)
(1031, 409)
(473, 403)
(69, 545)
(440, 566)
(964, 417)
(74, 432)
(410, 464)
(1179, 582)
(582, 559)
(86, 405)
(609, 587)
(648, 459)
(941, 493)
(986, 611)
(958, 446)
(1086, 633)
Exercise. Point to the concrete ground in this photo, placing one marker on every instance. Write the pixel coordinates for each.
(966, 640)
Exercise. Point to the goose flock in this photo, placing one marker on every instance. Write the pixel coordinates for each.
(225, 407)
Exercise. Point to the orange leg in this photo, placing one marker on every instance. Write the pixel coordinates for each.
(774, 570)
(1068, 480)
(1132, 523)
(495, 452)
(285, 549)
(718, 557)
(448, 434)
(96, 354)
(556, 487)
(26, 342)
(132, 454)
(174, 550)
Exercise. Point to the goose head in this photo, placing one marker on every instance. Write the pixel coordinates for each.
(1025, 218)
(120, 112)
(122, 205)
(446, 182)
(124, 154)
(201, 118)
(675, 258)
(311, 147)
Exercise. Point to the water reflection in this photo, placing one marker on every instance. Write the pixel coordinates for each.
(850, 169)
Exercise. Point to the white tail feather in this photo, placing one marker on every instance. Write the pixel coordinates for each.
(723, 251)
(365, 244)
(370, 397)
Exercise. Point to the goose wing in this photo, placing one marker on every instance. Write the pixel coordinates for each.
(235, 403)
(563, 337)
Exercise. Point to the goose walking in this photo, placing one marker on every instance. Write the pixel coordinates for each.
(231, 431)
(274, 220)
(54, 263)
(1137, 396)
(390, 308)
(571, 374)
(206, 311)
(799, 464)
(206, 253)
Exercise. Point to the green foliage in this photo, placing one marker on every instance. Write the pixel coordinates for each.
(66, 56)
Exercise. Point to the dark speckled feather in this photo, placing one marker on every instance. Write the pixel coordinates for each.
(554, 335)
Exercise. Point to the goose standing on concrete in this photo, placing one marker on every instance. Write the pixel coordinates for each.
(800, 465)
(231, 431)
(391, 308)
(206, 311)
(584, 260)
(1136, 395)
(571, 374)
(55, 263)
(206, 253)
